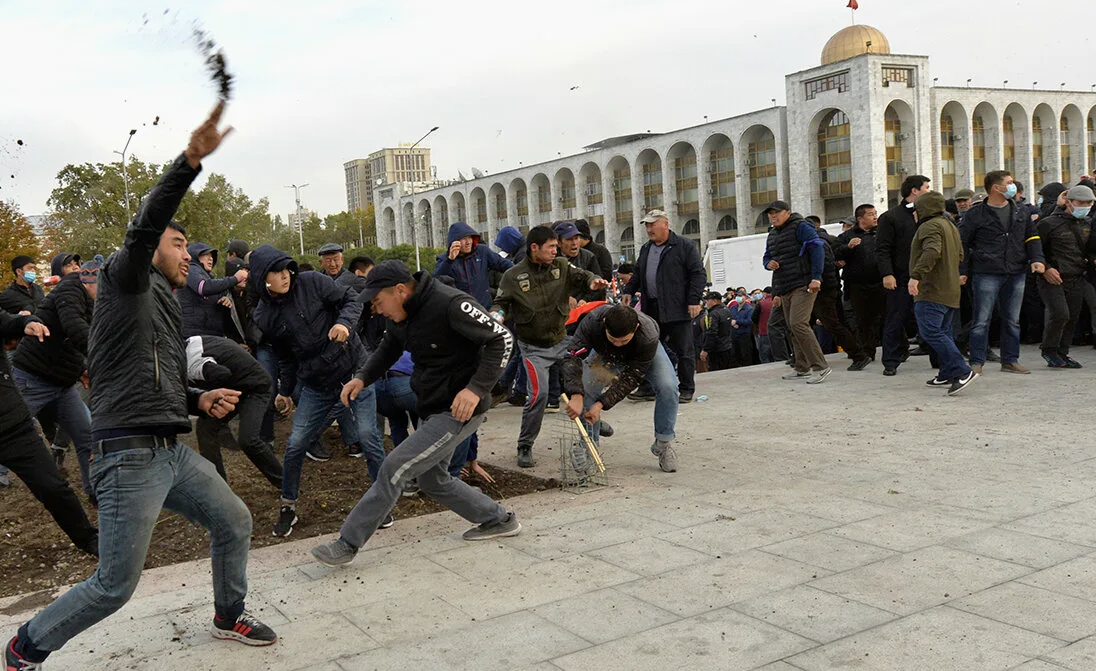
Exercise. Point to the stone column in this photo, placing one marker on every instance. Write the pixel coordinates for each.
(613, 227)
(743, 207)
(704, 198)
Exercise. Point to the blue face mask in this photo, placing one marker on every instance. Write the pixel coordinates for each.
(1040, 201)
(30, 277)
(739, 299)
(758, 297)
(1010, 191)
(1081, 212)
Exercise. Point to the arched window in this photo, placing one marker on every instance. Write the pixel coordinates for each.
(978, 143)
(727, 228)
(947, 152)
(1067, 174)
(627, 244)
(835, 157)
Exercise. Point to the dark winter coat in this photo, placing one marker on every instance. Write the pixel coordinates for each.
(136, 357)
(16, 299)
(13, 411)
(297, 325)
(454, 343)
(990, 249)
(214, 363)
(718, 334)
(202, 314)
(604, 258)
(681, 278)
(634, 358)
(861, 265)
(470, 271)
(1059, 234)
(799, 251)
(62, 358)
(892, 241)
(586, 261)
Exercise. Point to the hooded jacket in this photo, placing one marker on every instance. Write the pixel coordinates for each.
(992, 249)
(202, 314)
(297, 324)
(511, 241)
(453, 342)
(681, 278)
(136, 357)
(935, 253)
(470, 271)
(62, 358)
(1068, 243)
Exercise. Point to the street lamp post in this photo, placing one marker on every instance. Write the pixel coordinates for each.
(414, 221)
(125, 177)
(300, 219)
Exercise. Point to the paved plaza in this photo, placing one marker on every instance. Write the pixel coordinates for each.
(865, 523)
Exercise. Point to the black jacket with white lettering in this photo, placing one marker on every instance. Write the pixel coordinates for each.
(454, 343)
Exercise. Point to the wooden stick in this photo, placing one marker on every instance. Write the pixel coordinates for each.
(586, 438)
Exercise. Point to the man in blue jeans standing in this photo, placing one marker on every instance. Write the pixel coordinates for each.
(311, 321)
(139, 404)
(935, 253)
(1000, 243)
(624, 348)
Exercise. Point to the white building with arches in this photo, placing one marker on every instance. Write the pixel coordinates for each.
(852, 129)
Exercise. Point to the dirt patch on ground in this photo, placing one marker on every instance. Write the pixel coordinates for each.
(36, 555)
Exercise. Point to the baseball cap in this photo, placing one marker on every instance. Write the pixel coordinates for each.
(777, 205)
(964, 194)
(713, 296)
(330, 248)
(566, 230)
(384, 275)
(61, 260)
(653, 216)
(1081, 193)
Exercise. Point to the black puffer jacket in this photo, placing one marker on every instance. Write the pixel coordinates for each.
(13, 411)
(681, 278)
(202, 314)
(137, 362)
(454, 343)
(62, 358)
(214, 363)
(297, 325)
(16, 299)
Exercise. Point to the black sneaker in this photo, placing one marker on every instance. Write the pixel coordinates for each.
(1053, 359)
(318, 452)
(552, 406)
(286, 519)
(641, 396)
(411, 488)
(388, 522)
(14, 662)
(939, 382)
(1070, 363)
(246, 629)
(355, 451)
(860, 363)
(517, 400)
(58, 456)
(890, 371)
(962, 383)
(606, 429)
(525, 457)
(685, 398)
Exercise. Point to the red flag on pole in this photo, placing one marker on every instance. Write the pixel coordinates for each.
(853, 4)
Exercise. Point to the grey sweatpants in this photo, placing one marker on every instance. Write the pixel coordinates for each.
(537, 362)
(424, 455)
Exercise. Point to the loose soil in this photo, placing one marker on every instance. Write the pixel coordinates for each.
(36, 555)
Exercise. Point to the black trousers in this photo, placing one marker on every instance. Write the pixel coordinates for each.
(22, 451)
(678, 337)
(778, 334)
(899, 311)
(1063, 307)
(251, 409)
(743, 350)
(825, 311)
(869, 303)
(720, 360)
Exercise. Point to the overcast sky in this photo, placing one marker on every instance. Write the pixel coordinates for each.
(322, 82)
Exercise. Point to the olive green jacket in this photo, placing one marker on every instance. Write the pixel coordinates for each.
(535, 299)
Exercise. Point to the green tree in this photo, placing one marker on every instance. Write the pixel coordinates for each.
(16, 237)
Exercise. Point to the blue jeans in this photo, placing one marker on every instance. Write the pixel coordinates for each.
(934, 323)
(132, 486)
(72, 415)
(597, 375)
(1007, 293)
(309, 422)
(396, 402)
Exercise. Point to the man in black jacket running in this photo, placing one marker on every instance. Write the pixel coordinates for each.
(459, 352)
(140, 403)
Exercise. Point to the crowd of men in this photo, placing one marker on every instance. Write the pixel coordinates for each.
(122, 352)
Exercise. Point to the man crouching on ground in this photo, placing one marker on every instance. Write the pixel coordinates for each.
(459, 352)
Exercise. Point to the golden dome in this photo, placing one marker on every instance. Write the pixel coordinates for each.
(854, 41)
